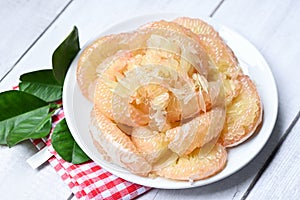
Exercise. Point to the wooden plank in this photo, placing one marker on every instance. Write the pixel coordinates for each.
(20, 181)
(281, 179)
(272, 27)
(21, 24)
(271, 157)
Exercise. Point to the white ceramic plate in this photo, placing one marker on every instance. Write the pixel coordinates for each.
(77, 108)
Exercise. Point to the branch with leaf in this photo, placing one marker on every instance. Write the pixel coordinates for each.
(27, 113)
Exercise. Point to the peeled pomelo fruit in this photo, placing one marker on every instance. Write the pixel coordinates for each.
(221, 55)
(92, 57)
(173, 109)
(196, 132)
(151, 144)
(167, 158)
(117, 145)
(89, 64)
(197, 26)
(112, 68)
(189, 42)
(171, 26)
(162, 95)
(218, 51)
(243, 114)
(162, 78)
(88, 60)
(232, 88)
(235, 130)
(103, 97)
(120, 93)
(143, 101)
(196, 166)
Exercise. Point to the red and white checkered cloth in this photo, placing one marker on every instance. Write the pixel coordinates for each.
(89, 180)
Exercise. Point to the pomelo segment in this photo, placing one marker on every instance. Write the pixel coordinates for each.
(221, 55)
(243, 115)
(191, 50)
(194, 134)
(217, 50)
(117, 145)
(197, 26)
(103, 97)
(151, 144)
(86, 67)
(196, 166)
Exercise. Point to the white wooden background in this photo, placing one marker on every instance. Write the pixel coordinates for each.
(31, 30)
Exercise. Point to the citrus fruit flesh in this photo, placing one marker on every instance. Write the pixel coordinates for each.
(243, 114)
(168, 98)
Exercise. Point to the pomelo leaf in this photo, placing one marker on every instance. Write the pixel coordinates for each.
(22, 116)
(64, 55)
(65, 145)
(42, 84)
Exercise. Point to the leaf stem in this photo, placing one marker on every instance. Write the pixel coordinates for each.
(55, 106)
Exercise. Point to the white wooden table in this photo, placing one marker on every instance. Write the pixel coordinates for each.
(31, 30)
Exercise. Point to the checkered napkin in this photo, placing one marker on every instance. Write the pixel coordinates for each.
(89, 180)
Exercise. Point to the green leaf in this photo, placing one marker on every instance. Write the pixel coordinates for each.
(65, 145)
(64, 55)
(41, 84)
(22, 116)
(34, 124)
